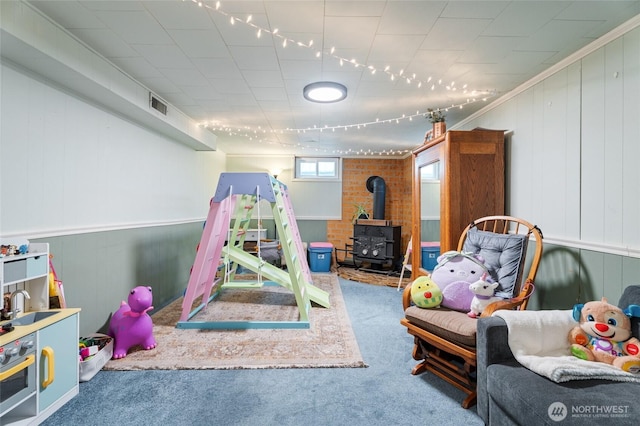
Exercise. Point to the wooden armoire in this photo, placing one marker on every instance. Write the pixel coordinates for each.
(472, 184)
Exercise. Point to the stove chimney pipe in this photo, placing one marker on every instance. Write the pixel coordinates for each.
(376, 185)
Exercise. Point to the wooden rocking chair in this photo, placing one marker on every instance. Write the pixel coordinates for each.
(444, 339)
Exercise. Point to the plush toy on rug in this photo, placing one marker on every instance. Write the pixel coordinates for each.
(482, 296)
(425, 293)
(604, 335)
(454, 273)
(131, 325)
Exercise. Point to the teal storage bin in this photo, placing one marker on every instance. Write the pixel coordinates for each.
(320, 257)
(430, 253)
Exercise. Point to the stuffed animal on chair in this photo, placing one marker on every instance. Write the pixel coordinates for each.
(131, 325)
(482, 296)
(425, 293)
(453, 274)
(604, 335)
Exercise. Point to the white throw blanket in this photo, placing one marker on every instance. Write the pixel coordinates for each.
(539, 341)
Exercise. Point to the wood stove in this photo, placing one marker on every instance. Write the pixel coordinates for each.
(377, 244)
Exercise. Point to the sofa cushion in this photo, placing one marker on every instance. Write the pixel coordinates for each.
(631, 296)
(503, 254)
(525, 397)
(449, 324)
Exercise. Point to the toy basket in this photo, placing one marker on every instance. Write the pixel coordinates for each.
(90, 366)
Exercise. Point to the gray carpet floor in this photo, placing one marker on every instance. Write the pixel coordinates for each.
(385, 393)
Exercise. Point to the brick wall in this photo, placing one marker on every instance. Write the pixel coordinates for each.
(355, 172)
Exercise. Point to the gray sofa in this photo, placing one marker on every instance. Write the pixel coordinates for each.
(510, 394)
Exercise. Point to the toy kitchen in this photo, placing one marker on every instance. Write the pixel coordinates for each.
(38, 346)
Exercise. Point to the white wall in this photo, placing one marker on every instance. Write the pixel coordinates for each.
(574, 149)
(67, 166)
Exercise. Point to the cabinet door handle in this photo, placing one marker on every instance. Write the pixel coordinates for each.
(30, 359)
(48, 353)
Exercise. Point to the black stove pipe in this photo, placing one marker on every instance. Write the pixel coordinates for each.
(377, 186)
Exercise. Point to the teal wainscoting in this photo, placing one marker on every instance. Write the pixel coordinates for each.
(99, 269)
(310, 230)
(569, 275)
(430, 230)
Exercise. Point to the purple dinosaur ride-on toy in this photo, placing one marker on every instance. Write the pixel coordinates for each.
(131, 325)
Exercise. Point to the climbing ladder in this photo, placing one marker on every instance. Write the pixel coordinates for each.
(237, 195)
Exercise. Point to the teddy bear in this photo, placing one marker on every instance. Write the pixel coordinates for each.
(454, 273)
(425, 293)
(482, 295)
(604, 335)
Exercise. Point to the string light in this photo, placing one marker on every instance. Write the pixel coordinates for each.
(392, 120)
(310, 146)
(331, 52)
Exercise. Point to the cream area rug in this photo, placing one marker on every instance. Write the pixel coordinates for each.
(329, 342)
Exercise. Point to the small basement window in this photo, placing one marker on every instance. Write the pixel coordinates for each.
(325, 168)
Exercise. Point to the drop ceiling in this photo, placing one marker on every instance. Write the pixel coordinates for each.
(239, 67)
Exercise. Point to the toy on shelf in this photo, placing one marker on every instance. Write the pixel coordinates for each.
(131, 325)
(56, 289)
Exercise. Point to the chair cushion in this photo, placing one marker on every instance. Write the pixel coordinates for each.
(449, 324)
(504, 256)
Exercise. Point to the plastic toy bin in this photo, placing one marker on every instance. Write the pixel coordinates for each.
(90, 367)
(320, 257)
(430, 253)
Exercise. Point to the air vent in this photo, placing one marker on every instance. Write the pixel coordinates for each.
(157, 104)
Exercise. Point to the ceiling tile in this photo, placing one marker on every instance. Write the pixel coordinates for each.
(231, 87)
(193, 57)
(200, 43)
(99, 5)
(263, 94)
(163, 56)
(256, 78)
(489, 49)
(217, 67)
(202, 93)
(350, 33)
(296, 17)
(387, 48)
(179, 15)
(555, 35)
(474, 9)
(185, 77)
(256, 58)
(454, 33)
(138, 68)
(520, 19)
(410, 17)
(303, 70)
(135, 27)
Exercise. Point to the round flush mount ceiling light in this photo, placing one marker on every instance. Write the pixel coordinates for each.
(325, 92)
